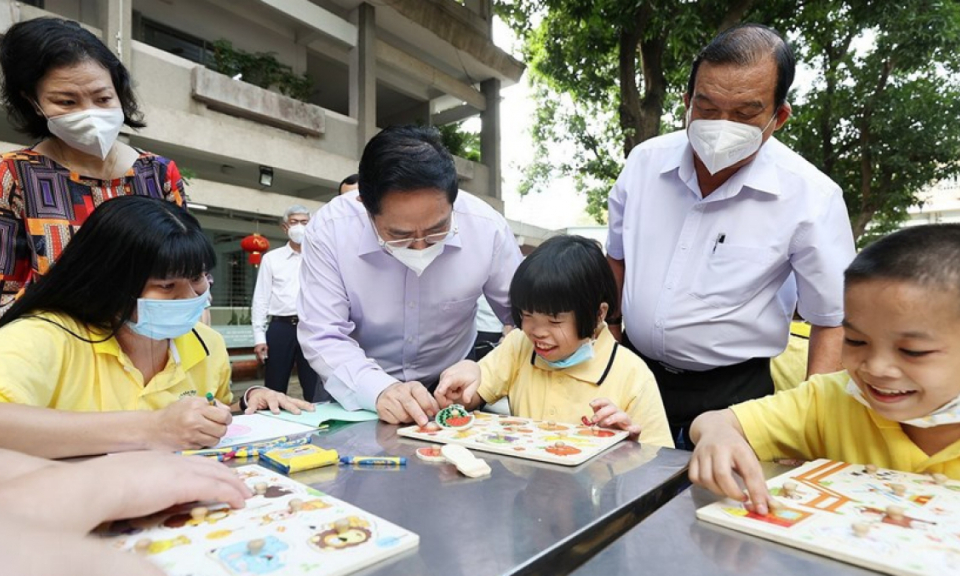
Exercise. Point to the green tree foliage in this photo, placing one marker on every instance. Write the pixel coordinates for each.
(460, 142)
(260, 69)
(880, 119)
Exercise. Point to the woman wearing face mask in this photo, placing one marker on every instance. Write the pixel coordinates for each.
(105, 353)
(62, 86)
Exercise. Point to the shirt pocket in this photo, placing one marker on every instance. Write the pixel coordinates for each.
(732, 275)
(459, 305)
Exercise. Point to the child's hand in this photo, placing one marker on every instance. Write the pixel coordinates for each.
(722, 450)
(144, 482)
(458, 385)
(188, 423)
(607, 415)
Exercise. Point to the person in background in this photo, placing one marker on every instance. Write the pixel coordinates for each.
(563, 364)
(789, 369)
(63, 87)
(106, 353)
(707, 224)
(349, 184)
(389, 285)
(274, 311)
(490, 331)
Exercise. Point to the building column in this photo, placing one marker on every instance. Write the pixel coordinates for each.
(116, 25)
(483, 9)
(490, 134)
(363, 75)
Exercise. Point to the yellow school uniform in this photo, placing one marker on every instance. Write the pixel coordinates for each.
(540, 392)
(819, 419)
(41, 364)
(789, 369)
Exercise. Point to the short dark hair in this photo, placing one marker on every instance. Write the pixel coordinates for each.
(405, 158)
(565, 274)
(32, 48)
(926, 255)
(747, 44)
(349, 180)
(103, 270)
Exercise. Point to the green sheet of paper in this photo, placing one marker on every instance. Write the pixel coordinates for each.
(324, 412)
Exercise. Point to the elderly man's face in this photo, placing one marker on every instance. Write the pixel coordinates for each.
(294, 219)
(743, 94)
(414, 214)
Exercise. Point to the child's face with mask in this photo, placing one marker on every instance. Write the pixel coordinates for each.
(902, 346)
(554, 337)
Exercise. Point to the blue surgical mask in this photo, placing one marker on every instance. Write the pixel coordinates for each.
(162, 319)
(581, 355)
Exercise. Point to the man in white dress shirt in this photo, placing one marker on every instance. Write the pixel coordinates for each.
(274, 312)
(706, 225)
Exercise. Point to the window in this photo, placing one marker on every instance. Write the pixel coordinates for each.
(174, 41)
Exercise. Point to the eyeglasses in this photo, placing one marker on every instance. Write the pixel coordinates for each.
(430, 239)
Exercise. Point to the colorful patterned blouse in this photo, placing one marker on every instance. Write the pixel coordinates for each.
(42, 204)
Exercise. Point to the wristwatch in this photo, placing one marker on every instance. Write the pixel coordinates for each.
(243, 399)
(614, 321)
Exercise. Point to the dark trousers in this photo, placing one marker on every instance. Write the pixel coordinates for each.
(485, 343)
(687, 394)
(283, 350)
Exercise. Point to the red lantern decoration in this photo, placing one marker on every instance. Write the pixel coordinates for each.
(256, 245)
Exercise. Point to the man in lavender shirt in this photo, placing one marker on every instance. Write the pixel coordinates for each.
(391, 275)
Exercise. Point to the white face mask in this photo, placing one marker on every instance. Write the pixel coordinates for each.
(92, 131)
(721, 143)
(949, 413)
(417, 260)
(296, 233)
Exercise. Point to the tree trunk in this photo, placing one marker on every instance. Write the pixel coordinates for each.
(861, 221)
(629, 108)
(654, 86)
(734, 14)
(640, 117)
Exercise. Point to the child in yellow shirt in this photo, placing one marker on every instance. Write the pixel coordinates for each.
(897, 404)
(105, 353)
(563, 364)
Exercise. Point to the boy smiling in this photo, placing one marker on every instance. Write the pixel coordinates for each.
(896, 404)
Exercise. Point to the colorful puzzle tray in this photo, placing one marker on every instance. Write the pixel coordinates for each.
(553, 442)
(892, 522)
(285, 528)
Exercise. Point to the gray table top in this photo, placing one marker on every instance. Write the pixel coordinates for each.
(526, 517)
(673, 541)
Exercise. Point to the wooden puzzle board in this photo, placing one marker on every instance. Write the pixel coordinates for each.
(832, 496)
(525, 438)
(303, 542)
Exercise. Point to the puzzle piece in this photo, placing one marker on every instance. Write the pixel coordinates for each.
(468, 464)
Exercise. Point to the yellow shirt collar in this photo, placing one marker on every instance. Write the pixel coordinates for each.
(191, 348)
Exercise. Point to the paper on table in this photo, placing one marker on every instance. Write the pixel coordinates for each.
(324, 411)
(252, 428)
